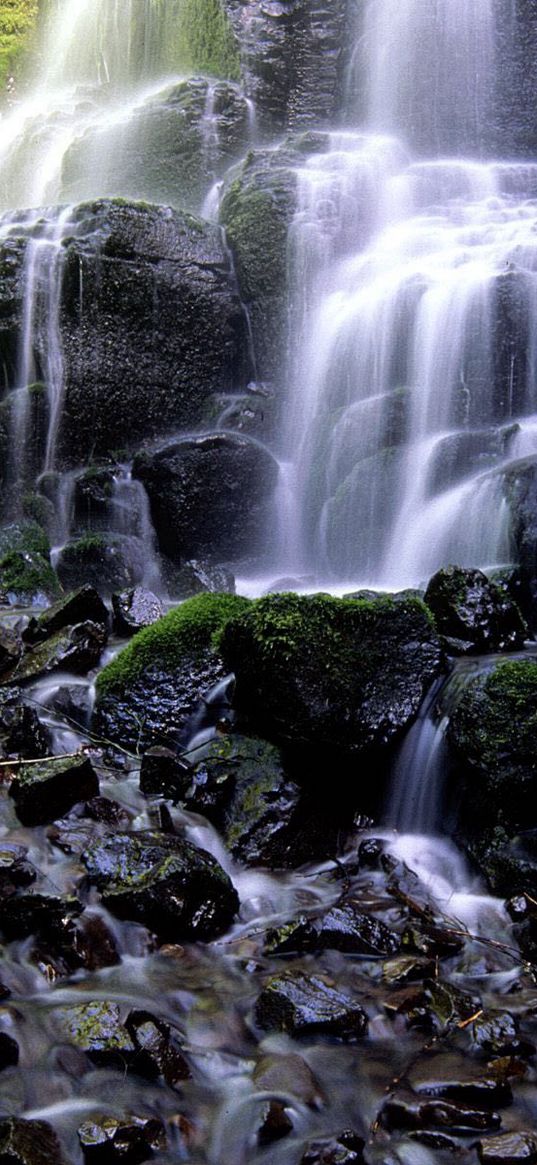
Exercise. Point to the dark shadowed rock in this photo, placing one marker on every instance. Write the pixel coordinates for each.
(46, 791)
(10, 649)
(468, 607)
(164, 882)
(164, 772)
(302, 1004)
(406, 1111)
(21, 732)
(77, 649)
(509, 1149)
(275, 1123)
(135, 609)
(29, 1143)
(345, 1148)
(195, 577)
(9, 1051)
(159, 1049)
(105, 1140)
(81, 606)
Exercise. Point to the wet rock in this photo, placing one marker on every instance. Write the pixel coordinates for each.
(370, 853)
(295, 937)
(159, 1049)
(96, 1029)
(301, 1004)
(26, 575)
(345, 928)
(93, 492)
(275, 1123)
(77, 649)
(135, 609)
(498, 1034)
(100, 561)
(344, 1149)
(21, 732)
(94, 943)
(508, 1149)
(164, 882)
(10, 649)
(193, 578)
(333, 673)
(209, 495)
(147, 695)
(406, 1111)
(165, 772)
(9, 1051)
(72, 701)
(406, 969)
(29, 1143)
(289, 1074)
(461, 1080)
(106, 1140)
(35, 907)
(107, 812)
(43, 792)
(467, 606)
(82, 606)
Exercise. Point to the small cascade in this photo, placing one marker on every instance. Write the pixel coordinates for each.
(130, 519)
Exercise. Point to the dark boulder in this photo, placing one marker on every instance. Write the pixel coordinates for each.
(345, 1148)
(21, 732)
(77, 649)
(26, 575)
(25, 1142)
(406, 1111)
(148, 693)
(34, 908)
(105, 1140)
(10, 649)
(301, 1004)
(97, 1030)
(135, 609)
(104, 561)
(159, 1047)
(509, 1149)
(163, 772)
(466, 606)
(164, 882)
(344, 674)
(343, 928)
(196, 577)
(209, 495)
(43, 792)
(9, 1051)
(81, 606)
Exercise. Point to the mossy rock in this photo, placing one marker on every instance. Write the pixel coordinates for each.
(26, 574)
(341, 674)
(469, 607)
(146, 695)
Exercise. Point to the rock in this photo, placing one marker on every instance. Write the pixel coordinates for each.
(130, 1140)
(150, 371)
(295, 937)
(167, 884)
(103, 561)
(82, 606)
(146, 696)
(345, 928)
(77, 649)
(301, 1004)
(339, 674)
(96, 1029)
(158, 1048)
(460, 1079)
(492, 732)
(26, 575)
(195, 577)
(466, 606)
(29, 1143)
(520, 488)
(288, 1074)
(93, 493)
(10, 649)
(405, 1111)
(209, 495)
(9, 1051)
(344, 1149)
(34, 906)
(497, 1034)
(21, 732)
(135, 609)
(43, 792)
(107, 812)
(276, 1123)
(72, 702)
(164, 772)
(508, 1149)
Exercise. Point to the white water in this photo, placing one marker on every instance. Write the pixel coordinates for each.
(413, 336)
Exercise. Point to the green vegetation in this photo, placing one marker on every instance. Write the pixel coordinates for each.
(25, 569)
(18, 19)
(187, 630)
(207, 40)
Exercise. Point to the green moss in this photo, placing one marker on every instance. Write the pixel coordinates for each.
(208, 44)
(188, 629)
(256, 222)
(18, 20)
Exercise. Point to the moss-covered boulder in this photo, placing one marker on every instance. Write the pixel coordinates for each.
(146, 695)
(100, 561)
(345, 674)
(175, 889)
(46, 791)
(467, 607)
(77, 649)
(26, 575)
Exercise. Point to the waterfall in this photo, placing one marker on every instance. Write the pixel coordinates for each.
(414, 341)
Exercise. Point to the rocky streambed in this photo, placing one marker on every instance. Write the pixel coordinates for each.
(216, 946)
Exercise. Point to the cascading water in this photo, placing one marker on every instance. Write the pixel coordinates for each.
(414, 341)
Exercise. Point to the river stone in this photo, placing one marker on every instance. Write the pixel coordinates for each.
(134, 609)
(105, 1140)
(345, 1148)
(301, 1004)
(9, 1051)
(110, 562)
(36, 908)
(43, 792)
(158, 1047)
(290, 1075)
(508, 1149)
(81, 606)
(208, 495)
(275, 1123)
(96, 1028)
(170, 886)
(76, 649)
(406, 1111)
(21, 732)
(466, 606)
(497, 1034)
(28, 1143)
(342, 674)
(149, 292)
(194, 577)
(164, 772)
(10, 649)
(346, 928)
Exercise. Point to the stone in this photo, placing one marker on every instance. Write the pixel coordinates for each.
(498, 1034)
(159, 1049)
(43, 792)
(135, 609)
(209, 495)
(127, 1141)
(175, 889)
(77, 649)
(81, 606)
(301, 1004)
(26, 575)
(9, 1051)
(10, 649)
(289, 1074)
(110, 562)
(337, 674)
(97, 1030)
(164, 772)
(467, 606)
(22, 734)
(345, 1148)
(275, 1123)
(35, 908)
(406, 1111)
(345, 928)
(31, 1142)
(508, 1149)
(195, 577)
